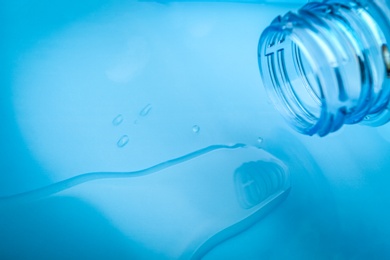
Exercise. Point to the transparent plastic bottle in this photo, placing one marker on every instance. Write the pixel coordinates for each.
(329, 64)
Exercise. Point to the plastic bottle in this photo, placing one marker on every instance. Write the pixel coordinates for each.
(328, 65)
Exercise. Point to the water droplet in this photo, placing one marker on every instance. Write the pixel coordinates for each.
(260, 140)
(145, 111)
(367, 118)
(117, 120)
(195, 129)
(122, 141)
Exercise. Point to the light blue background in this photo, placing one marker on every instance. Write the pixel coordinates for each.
(68, 69)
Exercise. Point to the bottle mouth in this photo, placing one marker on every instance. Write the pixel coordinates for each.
(326, 66)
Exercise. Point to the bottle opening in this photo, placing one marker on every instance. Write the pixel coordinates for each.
(327, 65)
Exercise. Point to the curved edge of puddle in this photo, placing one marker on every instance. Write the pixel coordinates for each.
(91, 176)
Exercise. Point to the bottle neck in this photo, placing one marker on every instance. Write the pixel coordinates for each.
(328, 65)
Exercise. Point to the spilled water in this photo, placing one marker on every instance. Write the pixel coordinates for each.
(86, 177)
(246, 194)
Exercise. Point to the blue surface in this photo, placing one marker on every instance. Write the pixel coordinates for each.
(173, 90)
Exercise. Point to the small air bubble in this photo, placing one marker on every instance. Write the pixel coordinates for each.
(260, 140)
(195, 129)
(117, 120)
(145, 111)
(367, 118)
(122, 141)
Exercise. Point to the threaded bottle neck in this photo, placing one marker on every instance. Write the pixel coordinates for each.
(328, 65)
